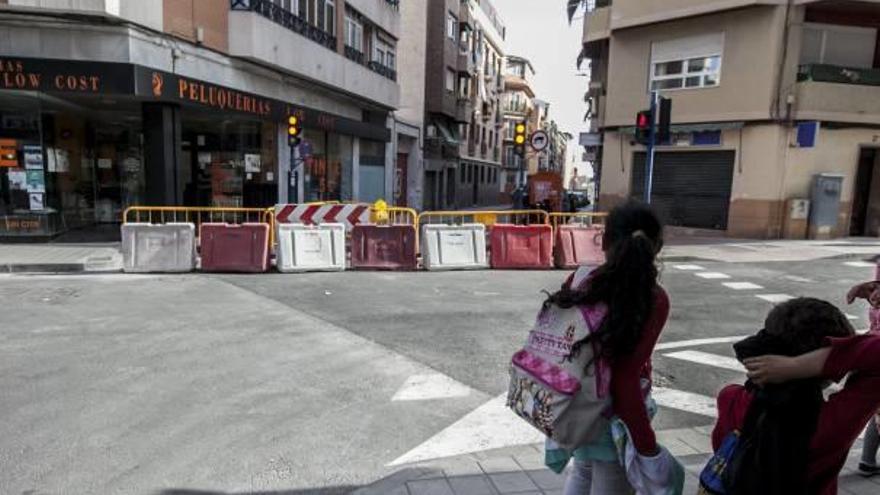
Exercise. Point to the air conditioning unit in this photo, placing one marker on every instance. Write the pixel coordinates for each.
(432, 131)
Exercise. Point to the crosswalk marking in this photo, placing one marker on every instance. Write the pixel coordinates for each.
(742, 286)
(685, 401)
(689, 268)
(775, 298)
(429, 387)
(860, 264)
(851, 317)
(707, 359)
(697, 342)
(712, 275)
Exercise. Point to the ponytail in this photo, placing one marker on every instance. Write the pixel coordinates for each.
(625, 283)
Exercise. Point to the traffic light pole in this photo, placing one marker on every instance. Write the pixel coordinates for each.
(652, 137)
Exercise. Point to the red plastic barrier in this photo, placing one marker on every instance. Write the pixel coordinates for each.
(235, 248)
(376, 247)
(521, 246)
(579, 245)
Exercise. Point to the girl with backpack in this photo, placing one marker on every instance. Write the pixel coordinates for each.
(636, 311)
(777, 435)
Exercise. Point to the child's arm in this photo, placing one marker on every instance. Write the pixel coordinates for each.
(854, 354)
(764, 370)
(868, 291)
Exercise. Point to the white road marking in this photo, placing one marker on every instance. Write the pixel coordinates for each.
(708, 359)
(429, 387)
(685, 401)
(712, 275)
(490, 426)
(689, 268)
(698, 342)
(795, 278)
(851, 317)
(742, 286)
(860, 264)
(775, 298)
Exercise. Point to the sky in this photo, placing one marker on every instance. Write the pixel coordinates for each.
(539, 31)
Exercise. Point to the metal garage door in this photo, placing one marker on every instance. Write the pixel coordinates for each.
(691, 189)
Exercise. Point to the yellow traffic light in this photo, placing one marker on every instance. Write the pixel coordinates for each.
(293, 131)
(519, 139)
(292, 120)
(520, 128)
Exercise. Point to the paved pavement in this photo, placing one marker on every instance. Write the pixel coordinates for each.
(330, 383)
(54, 258)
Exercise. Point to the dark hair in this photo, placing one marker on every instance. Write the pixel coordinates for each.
(625, 282)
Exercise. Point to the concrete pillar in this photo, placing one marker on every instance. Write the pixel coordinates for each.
(356, 169)
(162, 139)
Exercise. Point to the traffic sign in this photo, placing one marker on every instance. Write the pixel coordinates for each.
(539, 140)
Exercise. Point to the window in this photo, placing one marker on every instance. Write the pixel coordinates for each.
(470, 173)
(450, 80)
(384, 53)
(687, 63)
(390, 60)
(451, 27)
(330, 17)
(462, 175)
(845, 46)
(354, 32)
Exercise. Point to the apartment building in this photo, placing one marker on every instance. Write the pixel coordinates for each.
(518, 106)
(463, 88)
(409, 119)
(766, 95)
(108, 104)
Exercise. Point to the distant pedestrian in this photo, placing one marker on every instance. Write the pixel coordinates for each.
(776, 435)
(637, 309)
(870, 291)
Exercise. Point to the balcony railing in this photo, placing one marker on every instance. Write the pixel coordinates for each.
(383, 70)
(354, 54)
(838, 74)
(288, 19)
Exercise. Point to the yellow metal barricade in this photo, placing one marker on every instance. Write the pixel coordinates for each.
(585, 219)
(486, 217)
(197, 215)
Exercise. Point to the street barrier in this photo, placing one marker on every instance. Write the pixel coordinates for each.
(383, 247)
(148, 248)
(235, 248)
(521, 246)
(583, 219)
(486, 217)
(576, 246)
(306, 248)
(348, 215)
(197, 215)
(454, 247)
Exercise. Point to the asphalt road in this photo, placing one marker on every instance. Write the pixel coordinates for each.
(292, 383)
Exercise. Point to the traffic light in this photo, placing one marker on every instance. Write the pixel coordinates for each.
(519, 139)
(293, 131)
(663, 132)
(644, 121)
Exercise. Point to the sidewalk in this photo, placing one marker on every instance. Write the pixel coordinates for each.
(23, 258)
(744, 251)
(521, 471)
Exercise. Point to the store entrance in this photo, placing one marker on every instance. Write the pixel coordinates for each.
(865, 219)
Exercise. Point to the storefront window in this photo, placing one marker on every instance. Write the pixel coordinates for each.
(328, 166)
(372, 170)
(72, 169)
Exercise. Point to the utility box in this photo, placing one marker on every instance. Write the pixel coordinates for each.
(797, 216)
(825, 206)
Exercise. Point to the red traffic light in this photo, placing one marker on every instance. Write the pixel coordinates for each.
(643, 120)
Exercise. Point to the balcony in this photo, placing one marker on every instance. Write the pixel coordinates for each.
(288, 19)
(463, 109)
(466, 63)
(519, 109)
(597, 22)
(382, 70)
(838, 94)
(257, 27)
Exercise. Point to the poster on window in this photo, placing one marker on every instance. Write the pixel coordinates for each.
(36, 201)
(33, 157)
(17, 180)
(36, 181)
(62, 161)
(252, 163)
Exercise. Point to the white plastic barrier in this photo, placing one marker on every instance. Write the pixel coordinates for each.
(311, 248)
(168, 248)
(454, 247)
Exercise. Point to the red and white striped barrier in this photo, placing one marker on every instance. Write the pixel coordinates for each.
(348, 215)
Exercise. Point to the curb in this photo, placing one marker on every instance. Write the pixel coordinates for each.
(43, 268)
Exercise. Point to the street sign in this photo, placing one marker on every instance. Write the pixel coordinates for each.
(539, 141)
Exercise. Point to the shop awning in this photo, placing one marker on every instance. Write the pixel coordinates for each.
(447, 134)
(688, 128)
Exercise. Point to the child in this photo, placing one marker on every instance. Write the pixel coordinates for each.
(637, 310)
(871, 292)
(821, 346)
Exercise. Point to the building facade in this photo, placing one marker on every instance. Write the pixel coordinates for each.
(463, 115)
(766, 95)
(519, 107)
(106, 105)
(410, 116)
